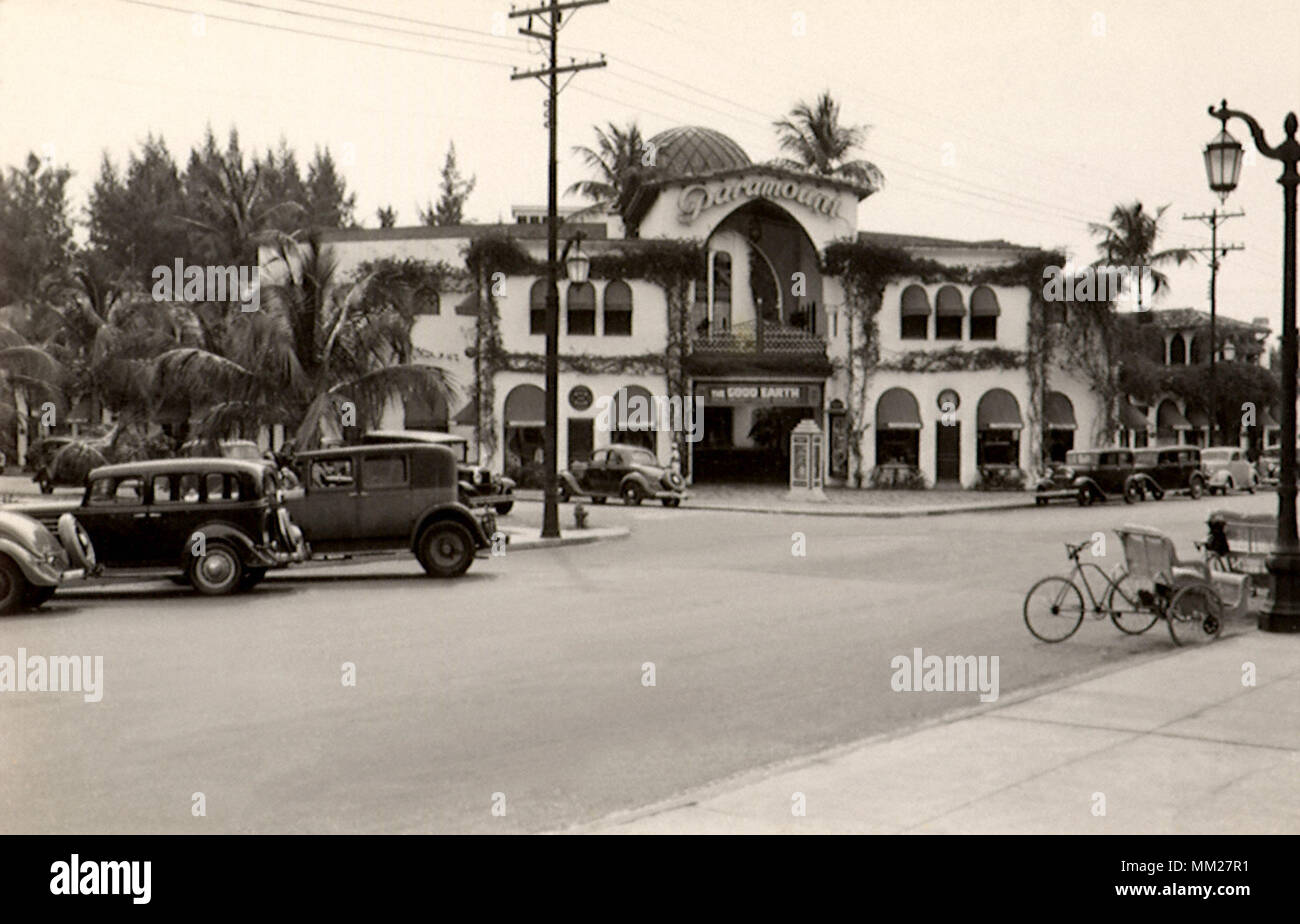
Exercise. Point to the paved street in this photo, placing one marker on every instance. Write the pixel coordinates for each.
(525, 677)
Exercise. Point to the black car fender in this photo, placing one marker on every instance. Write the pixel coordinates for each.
(247, 545)
(571, 483)
(640, 481)
(1085, 483)
(456, 513)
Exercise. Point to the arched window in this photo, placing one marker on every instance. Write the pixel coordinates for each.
(984, 311)
(581, 301)
(998, 425)
(537, 307)
(632, 418)
(618, 309)
(1195, 349)
(949, 309)
(1177, 351)
(898, 429)
(914, 314)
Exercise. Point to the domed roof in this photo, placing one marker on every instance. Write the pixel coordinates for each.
(689, 150)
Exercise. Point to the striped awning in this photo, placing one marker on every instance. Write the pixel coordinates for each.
(998, 410)
(897, 410)
(1168, 417)
(1130, 418)
(1060, 412)
(948, 303)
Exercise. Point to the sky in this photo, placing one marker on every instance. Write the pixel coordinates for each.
(989, 118)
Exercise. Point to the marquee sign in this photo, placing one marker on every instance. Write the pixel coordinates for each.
(694, 199)
(772, 394)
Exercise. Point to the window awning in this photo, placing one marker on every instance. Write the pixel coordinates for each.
(466, 415)
(915, 302)
(1130, 418)
(984, 304)
(1168, 417)
(1198, 418)
(948, 303)
(1060, 412)
(467, 307)
(998, 410)
(897, 410)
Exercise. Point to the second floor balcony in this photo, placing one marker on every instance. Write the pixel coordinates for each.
(757, 337)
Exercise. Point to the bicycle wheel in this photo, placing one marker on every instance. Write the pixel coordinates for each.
(1053, 609)
(1126, 609)
(1195, 615)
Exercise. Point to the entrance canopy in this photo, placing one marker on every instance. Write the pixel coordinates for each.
(897, 410)
(1060, 412)
(998, 410)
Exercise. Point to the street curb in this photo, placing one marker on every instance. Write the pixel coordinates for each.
(595, 534)
(608, 824)
(864, 512)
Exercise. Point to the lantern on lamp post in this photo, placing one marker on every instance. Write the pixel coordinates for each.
(1223, 168)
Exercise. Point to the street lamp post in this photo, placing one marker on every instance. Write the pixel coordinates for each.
(1223, 168)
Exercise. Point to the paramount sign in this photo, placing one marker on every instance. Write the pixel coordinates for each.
(696, 198)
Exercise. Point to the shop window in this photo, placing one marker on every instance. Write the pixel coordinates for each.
(1059, 442)
(914, 312)
(718, 427)
(537, 308)
(898, 447)
(998, 447)
(581, 302)
(618, 309)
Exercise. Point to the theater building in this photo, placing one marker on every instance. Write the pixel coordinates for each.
(768, 337)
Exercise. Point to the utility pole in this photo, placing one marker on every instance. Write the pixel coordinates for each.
(1214, 219)
(550, 15)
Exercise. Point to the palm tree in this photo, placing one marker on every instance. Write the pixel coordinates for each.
(1130, 240)
(818, 143)
(317, 344)
(617, 157)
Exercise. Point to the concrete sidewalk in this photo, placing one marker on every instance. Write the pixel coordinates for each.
(1176, 744)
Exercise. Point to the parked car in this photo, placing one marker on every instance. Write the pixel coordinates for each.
(390, 496)
(1170, 469)
(479, 485)
(219, 523)
(1228, 469)
(1091, 475)
(33, 563)
(630, 472)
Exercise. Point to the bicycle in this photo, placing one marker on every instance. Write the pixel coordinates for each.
(1054, 606)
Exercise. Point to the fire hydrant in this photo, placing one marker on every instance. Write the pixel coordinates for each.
(579, 516)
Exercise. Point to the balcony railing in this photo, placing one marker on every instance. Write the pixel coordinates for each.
(750, 337)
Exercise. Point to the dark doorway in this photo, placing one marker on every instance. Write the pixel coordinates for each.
(947, 461)
(581, 438)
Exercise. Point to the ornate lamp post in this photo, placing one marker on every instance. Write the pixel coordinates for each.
(1223, 168)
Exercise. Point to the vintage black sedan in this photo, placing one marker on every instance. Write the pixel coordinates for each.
(479, 485)
(1091, 475)
(1165, 470)
(630, 472)
(218, 523)
(389, 497)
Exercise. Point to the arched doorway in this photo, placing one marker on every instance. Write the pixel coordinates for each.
(524, 420)
(1061, 424)
(632, 419)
